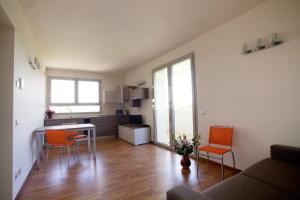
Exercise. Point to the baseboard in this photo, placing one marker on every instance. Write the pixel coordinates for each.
(217, 163)
(18, 197)
(106, 137)
(194, 157)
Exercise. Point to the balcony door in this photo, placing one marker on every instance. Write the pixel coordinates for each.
(174, 100)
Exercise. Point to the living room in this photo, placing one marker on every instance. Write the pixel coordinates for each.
(241, 71)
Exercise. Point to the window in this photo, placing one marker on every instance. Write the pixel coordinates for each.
(74, 95)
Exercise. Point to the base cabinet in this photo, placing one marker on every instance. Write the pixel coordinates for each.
(134, 135)
(105, 126)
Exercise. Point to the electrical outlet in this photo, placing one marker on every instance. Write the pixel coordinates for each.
(18, 173)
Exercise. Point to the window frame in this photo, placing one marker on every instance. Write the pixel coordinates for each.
(76, 89)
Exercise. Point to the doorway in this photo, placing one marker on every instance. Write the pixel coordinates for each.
(174, 104)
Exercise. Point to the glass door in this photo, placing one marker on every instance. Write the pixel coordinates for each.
(174, 104)
(182, 98)
(161, 107)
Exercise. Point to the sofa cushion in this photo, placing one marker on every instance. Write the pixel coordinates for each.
(286, 153)
(278, 174)
(183, 193)
(243, 187)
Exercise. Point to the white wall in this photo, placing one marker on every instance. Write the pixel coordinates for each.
(108, 82)
(259, 94)
(28, 104)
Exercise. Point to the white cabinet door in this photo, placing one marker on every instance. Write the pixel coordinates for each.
(134, 136)
(109, 97)
(115, 96)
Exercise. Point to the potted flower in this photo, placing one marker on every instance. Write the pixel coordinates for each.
(49, 113)
(184, 147)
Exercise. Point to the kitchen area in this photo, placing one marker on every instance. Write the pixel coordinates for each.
(121, 124)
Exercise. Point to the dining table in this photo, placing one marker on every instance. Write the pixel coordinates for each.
(41, 131)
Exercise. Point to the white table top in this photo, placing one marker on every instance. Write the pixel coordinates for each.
(65, 127)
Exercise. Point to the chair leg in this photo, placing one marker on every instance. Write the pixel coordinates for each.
(68, 156)
(89, 140)
(233, 160)
(60, 154)
(207, 155)
(47, 155)
(77, 144)
(197, 154)
(74, 152)
(222, 168)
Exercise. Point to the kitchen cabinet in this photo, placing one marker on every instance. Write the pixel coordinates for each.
(139, 93)
(106, 125)
(55, 122)
(109, 97)
(132, 95)
(114, 96)
(134, 134)
(126, 93)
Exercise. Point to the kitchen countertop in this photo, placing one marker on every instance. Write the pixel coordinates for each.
(84, 117)
(133, 126)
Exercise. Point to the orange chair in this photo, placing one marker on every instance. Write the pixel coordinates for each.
(75, 135)
(58, 139)
(218, 135)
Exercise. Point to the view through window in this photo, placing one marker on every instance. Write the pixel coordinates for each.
(74, 96)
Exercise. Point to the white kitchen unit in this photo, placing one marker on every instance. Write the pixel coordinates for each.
(134, 134)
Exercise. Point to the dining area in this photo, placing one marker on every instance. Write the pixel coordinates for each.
(66, 138)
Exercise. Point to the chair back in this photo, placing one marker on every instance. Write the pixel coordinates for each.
(56, 137)
(221, 135)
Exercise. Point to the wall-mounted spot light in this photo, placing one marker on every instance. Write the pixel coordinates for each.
(272, 40)
(35, 64)
(259, 45)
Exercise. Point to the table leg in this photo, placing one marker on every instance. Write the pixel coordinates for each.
(89, 140)
(94, 142)
(37, 141)
(41, 147)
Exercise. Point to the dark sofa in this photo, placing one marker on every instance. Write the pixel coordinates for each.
(273, 178)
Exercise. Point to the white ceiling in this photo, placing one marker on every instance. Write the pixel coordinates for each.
(115, 35)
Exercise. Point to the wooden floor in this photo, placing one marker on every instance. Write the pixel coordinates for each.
(121, 171)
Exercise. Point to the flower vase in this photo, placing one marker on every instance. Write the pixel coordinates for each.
(185, 161)
(49, 115)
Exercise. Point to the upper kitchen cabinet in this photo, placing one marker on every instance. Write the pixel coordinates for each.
(119, 94)
(139, 93)
(126, 93)
(115, 96)
(131, 94)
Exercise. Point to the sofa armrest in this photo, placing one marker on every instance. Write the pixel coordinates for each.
(183, 193)
(285, 153)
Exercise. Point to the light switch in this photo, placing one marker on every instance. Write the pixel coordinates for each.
(20, 83)
(17, 122)
(202, 112)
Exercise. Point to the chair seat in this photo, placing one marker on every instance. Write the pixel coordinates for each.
(77, 137)
(215, 150)
(69, 143)
(72, 133)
